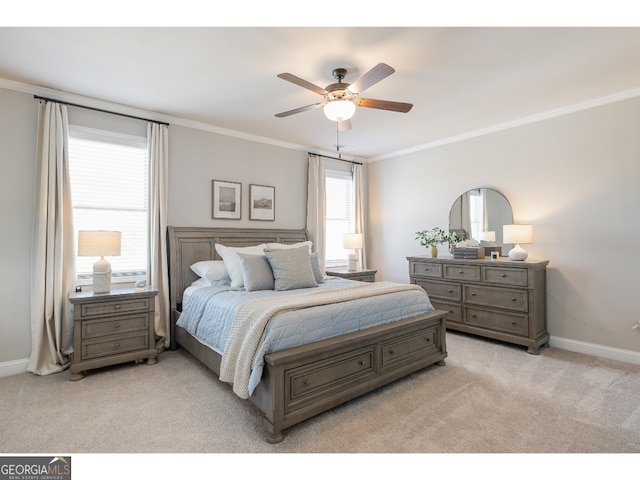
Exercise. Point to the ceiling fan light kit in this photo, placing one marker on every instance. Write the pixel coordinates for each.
(339, 110)
(341, 99)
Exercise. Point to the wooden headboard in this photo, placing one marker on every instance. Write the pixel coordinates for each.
(188, 245)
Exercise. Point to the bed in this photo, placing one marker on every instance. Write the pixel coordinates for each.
(297, 381)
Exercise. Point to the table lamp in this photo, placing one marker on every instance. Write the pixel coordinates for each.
(352, 242)
(99, 243)
(517, 234)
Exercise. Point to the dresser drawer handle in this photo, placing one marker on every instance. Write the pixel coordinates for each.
(391, 352)
(503, 275)
(362, 363)
(461, 272)
(117, 306)
(116, 345)
(514, 300)
(473, 294)
(305, 383)
(117, 325)
(473, 315)
(450, 291)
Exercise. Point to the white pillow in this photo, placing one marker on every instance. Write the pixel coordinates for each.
(282, 246)
(214, 271)
(231, 260)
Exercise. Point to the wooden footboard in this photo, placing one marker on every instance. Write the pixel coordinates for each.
(301, 382)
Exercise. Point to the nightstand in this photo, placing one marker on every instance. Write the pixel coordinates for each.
(359, 275)
(111, 328)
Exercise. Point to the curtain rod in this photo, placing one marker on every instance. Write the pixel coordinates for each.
(335, 158)
(37, 97)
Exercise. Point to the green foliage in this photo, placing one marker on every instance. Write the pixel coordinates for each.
(436, 236)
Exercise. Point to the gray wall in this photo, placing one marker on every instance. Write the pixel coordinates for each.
(576, 178)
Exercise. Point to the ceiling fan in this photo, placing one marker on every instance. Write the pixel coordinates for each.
(341, 99)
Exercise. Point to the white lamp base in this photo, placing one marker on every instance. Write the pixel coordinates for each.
(518, 253)
(101, 276)
(352, 262)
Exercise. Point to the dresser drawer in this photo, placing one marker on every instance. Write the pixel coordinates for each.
(95, 309)
(129, 323)
(495, 320)
(470, 273)
(443, 290)
(505, 276)
(425, 269)
(496, 297)
(454, 310)
(303, 382)
(107, 346)
(407, 347)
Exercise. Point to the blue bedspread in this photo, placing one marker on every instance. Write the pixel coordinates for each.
(211, 310)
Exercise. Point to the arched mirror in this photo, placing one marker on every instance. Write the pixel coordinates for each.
(479, 214)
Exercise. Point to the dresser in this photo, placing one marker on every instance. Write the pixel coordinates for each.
(359, 275)
(500, 299)
(111, 328)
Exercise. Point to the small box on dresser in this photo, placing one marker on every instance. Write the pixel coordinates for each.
(112, 328)
(499, 299)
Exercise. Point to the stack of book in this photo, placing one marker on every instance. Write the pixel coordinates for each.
(473, 253)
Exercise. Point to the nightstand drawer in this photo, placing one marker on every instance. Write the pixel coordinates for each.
(113, 307)
(425, 269)
(101, 328)
(495, 320)
(446, 291)
(107, 346)
(496, 297)
(462, 272)
(505, 276)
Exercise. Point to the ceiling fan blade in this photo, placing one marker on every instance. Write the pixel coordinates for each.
(344, 125)
(384, 105)
(302, 83)
(299, 110)
(373, 76)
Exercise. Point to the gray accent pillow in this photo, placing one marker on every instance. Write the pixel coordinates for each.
(291, 268)
(256, 272)
(315, 266)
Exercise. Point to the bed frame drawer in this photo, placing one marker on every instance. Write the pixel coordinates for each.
(406, 348)
(304, 383)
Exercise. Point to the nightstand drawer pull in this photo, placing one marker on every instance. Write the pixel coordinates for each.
(305, 383)
(362, 363)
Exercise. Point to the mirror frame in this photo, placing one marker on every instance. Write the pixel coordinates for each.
(495, 222)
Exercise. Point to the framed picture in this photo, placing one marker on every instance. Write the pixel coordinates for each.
(262, 202)
(226, 199)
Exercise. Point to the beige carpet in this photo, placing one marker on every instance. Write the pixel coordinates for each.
(489, 397)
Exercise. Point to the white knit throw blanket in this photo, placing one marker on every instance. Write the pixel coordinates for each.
(250, 322)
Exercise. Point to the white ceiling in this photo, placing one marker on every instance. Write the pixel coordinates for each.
(460, 80)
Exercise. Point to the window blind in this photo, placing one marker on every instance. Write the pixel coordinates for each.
(339, 214)
(109, 184)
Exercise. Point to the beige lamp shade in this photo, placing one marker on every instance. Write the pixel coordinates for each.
(98, 243)
(352, 240)
(517, 234)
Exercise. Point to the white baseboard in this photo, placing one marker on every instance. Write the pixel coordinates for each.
(14, 367)
(611, 353)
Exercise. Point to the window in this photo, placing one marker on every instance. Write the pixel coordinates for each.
(109, 183)
(340, 214)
